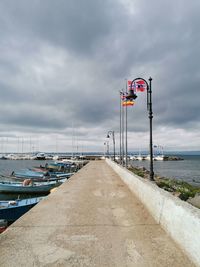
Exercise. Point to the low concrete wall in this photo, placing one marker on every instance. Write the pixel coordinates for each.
(178, 218)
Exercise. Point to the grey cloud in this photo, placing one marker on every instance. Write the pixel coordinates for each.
(77, 25)
(65, 61)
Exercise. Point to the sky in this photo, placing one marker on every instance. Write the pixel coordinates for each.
(63, 63)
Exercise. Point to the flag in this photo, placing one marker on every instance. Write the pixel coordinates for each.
(127, 103)
(129, 84)
(140, 85)
(123, 95)
(137, 85)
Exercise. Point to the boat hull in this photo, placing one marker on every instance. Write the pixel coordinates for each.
(12, 212)
(29, 189)
(15, 213)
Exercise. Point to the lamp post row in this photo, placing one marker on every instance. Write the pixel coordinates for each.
(130, 96)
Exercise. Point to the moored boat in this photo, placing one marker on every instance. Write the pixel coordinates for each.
(39, 176)
(13, 209)
(40, 156)
(27, 173)
(139, 157)
(29, 187)
(159, 157)
(3, 225)
(60, 166)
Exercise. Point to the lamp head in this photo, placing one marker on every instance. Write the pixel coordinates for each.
(131, 95)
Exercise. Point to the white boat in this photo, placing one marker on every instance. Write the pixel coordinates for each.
(159, 157)
(40, 156)
(148, 157)
(140, 157)
(133, 158)
(159, 153)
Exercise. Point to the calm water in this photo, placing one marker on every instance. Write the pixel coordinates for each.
(187, 170)
(6, 168)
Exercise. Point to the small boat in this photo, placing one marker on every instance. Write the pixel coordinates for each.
(159, 157)
(140, 157)
(52, 176)
(39, 176)
(27, 173)
(149, 158)
(29, 187)
(159, 153)
(13, 209)
(133, 157)
(60, 166)
(40, 156)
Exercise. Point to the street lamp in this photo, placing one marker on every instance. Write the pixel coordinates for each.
(139, 84)
(106, 148)
(113, 135)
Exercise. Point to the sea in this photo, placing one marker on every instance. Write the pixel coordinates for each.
(187, 170)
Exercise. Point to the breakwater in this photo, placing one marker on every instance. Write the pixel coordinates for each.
(181, 220)
(93, 219)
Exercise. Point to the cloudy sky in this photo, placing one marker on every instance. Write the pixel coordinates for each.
(63, 62)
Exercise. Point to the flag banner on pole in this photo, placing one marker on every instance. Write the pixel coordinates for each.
(127, 103)
(137, 85)
(123, 95)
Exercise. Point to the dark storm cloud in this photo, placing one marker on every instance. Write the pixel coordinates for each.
(64, 62)
(75, 25)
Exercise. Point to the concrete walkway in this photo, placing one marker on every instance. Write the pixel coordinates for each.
(91, 220)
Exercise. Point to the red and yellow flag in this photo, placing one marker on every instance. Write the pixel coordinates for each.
(127, 103)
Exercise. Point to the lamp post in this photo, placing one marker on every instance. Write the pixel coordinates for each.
(140, 85)
(122, 96)
(113, 135)
(106, 149)
(120, 126)
(126, 144)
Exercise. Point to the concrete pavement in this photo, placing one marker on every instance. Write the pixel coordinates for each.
(91, 220)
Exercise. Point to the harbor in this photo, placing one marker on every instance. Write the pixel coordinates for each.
(23, 188)
(28, 179)
(99, 134)
(93, 219)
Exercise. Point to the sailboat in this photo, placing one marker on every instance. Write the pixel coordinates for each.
(139, 157)
(160, 155)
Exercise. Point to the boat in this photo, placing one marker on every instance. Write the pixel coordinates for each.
(11, 210)
(27, 173)
(132, 157)
(3, 225)
(159, 157)
(148, 157)
(139, 157)
(39, 156)
(60, 166)
(39, 175)
(159, 153)
(29, 187)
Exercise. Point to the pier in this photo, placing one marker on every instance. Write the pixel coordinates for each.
(93, 219)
